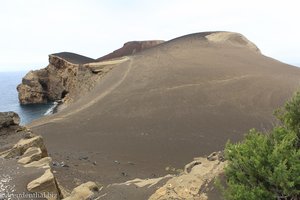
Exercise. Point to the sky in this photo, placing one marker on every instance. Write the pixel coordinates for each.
(33, 29)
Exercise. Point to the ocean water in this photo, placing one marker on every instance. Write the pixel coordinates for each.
(9, 98)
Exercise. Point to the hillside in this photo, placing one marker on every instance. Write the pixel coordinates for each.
(166, 105)
(130, 48)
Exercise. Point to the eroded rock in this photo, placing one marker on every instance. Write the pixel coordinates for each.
(42, 163)
(20, 148)
(194, 183)
(85, 191)
(30, 155)
(45, 184)
(64, 78)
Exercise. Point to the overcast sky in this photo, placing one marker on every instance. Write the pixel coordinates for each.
(32, 29)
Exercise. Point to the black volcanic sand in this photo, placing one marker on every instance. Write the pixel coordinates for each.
(166, 105)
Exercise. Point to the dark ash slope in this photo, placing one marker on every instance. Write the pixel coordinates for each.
(166, 105)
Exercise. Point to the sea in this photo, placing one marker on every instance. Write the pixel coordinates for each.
(9, 99)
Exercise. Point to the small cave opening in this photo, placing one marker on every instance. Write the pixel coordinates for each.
(64, 94)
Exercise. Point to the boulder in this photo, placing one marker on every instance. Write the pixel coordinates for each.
(85, 191)
(30, 155)
(46, 184)
(8, 119)
(20, 148)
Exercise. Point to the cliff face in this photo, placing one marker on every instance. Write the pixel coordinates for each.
(69, 75)
(130, 48)
(61, 79)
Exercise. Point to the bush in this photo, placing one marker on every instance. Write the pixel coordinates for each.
(267, 165)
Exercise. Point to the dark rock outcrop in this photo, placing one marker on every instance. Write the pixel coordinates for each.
(8, 119)
(130, 48)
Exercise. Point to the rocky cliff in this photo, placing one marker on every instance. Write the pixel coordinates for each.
(69, 75)
(64, 78)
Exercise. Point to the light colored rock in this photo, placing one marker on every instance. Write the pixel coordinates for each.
(85, 191)
(42, 163)
(30, 155)
(45, 184)
(20, 148)
(31, 90)
(232, 38)
(192, 184)
(145, 182)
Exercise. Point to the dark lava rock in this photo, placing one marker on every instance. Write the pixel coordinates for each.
(8, 119)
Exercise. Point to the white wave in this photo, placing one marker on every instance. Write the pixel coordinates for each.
(51, 110)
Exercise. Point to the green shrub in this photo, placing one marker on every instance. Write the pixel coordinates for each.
(267, 165)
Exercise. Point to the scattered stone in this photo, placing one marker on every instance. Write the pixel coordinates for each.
(130, 163)
(94, 163)
(124, 174)
(63, 164)
(55, 164)
(117, 162)
(83, 158)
